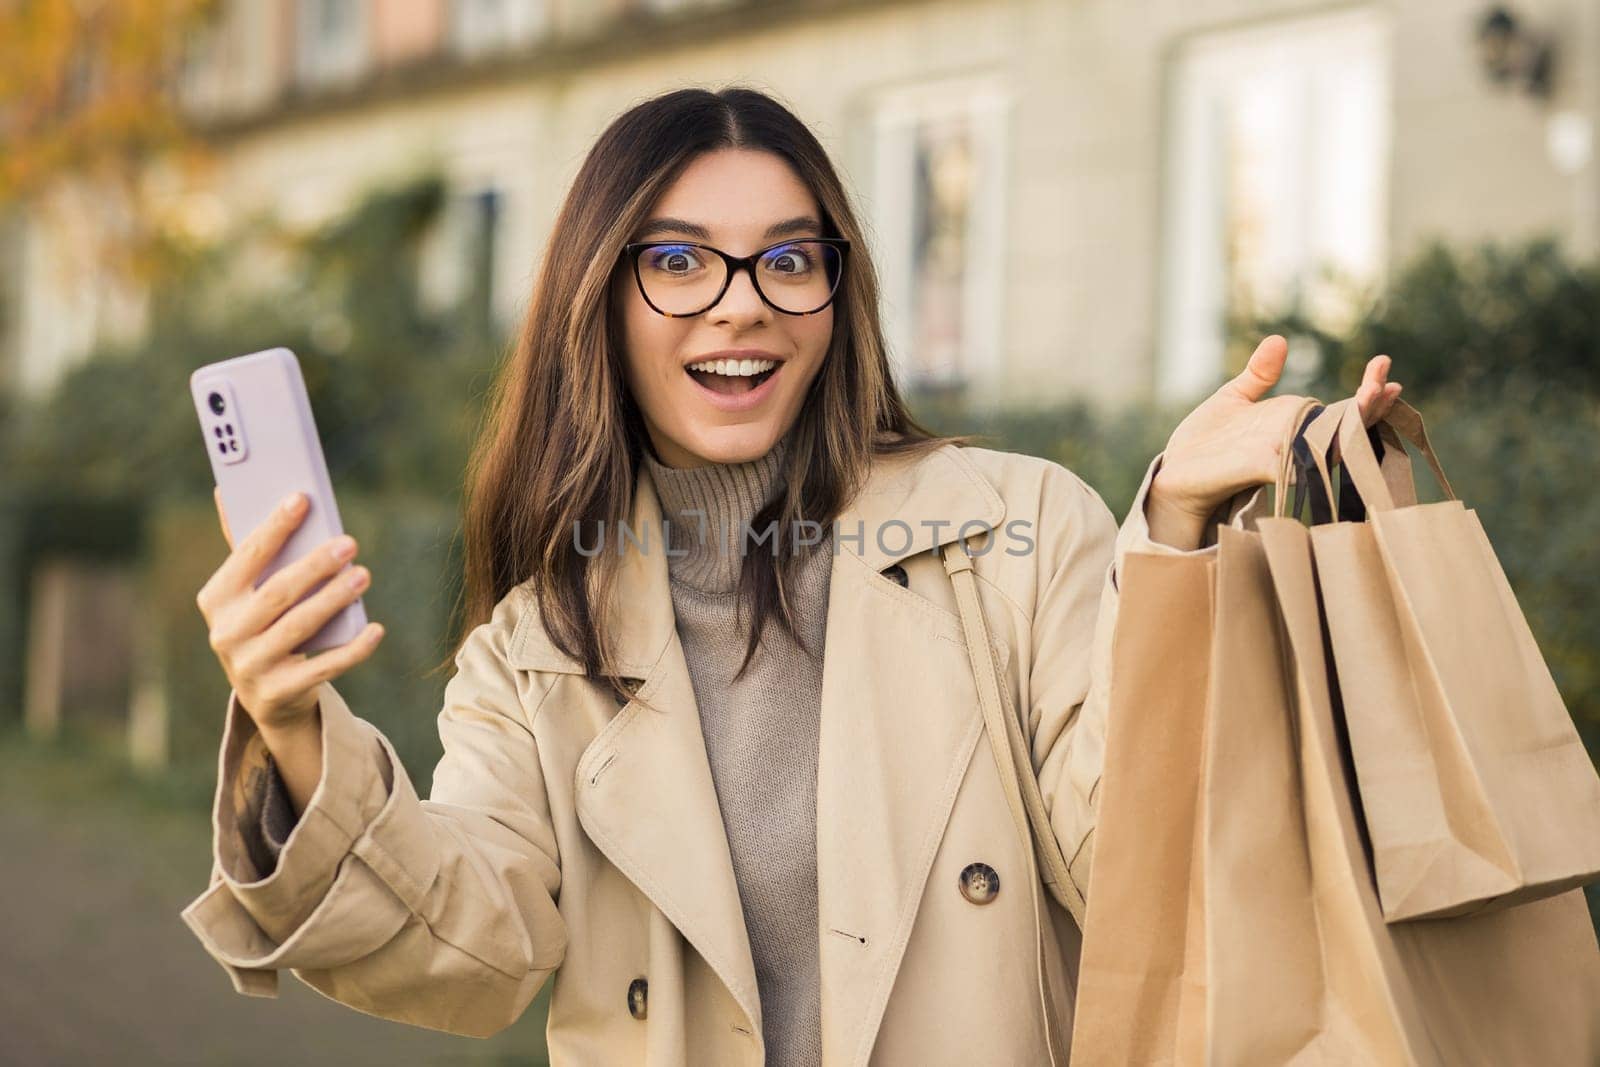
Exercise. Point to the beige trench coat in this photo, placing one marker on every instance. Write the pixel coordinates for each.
(573, 840)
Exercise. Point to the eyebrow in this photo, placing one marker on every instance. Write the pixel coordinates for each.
(798, 224)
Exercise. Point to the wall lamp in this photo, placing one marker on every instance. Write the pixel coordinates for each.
(1513, 55)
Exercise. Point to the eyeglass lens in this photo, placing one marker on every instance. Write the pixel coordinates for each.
(681, 279)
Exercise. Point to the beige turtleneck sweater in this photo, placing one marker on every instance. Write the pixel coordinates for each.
(761, 734)
(761, 731)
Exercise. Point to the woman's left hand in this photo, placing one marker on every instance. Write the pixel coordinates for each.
(1232, 442)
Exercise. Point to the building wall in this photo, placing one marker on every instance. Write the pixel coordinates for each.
(1470, 162)
(1075, 147)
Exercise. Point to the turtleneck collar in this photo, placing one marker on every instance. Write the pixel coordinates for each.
(703, 554)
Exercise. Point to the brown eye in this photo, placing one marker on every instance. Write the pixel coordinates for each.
(790, 259)
(672, 259)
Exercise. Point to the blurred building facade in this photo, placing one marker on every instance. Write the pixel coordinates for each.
(1064, 196)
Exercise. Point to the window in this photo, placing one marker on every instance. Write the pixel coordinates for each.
(483, 26)
(225, 67)
(331, 38)
(1276, 192)
(460, 250)
(938, 208)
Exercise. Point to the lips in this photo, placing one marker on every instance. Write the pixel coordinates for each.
(731, 385)
(734, 393)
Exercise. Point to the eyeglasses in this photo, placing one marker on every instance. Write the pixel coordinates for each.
(679, 279)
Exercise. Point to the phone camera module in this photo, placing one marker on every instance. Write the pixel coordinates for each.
(217, 403)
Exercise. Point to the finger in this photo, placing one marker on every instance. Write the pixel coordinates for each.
(1379, 404)
(302, 621)
(1371, 382)
(1367, 398)
(222, 515)
(1391, 395)
(239, 571)
(312, 672)
(289, 585)
(1262, 371)
(1369, 393)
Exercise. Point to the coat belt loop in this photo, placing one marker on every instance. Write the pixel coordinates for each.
(956, 562)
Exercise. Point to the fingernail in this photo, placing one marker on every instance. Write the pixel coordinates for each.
(292, 502)
(344, 548)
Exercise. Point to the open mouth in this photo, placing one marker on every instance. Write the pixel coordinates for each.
(733, 377)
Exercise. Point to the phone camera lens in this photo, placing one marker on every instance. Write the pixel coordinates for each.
(217, 403)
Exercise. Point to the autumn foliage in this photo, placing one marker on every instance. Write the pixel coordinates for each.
(87, 87)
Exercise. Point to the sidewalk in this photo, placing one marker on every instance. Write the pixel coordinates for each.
(97, 966)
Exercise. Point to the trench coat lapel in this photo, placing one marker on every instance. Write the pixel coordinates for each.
(899, 723)
(644, 791)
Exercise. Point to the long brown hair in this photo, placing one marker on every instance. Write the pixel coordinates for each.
(562, 436)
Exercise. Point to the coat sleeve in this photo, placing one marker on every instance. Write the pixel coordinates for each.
(440, 913)
(277, 818)
(1070, 680)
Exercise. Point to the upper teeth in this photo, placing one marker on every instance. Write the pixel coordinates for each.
(739, 368)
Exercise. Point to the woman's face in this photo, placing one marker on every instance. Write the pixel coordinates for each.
(741, 201)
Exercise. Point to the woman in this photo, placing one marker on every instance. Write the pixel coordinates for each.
(733, 794)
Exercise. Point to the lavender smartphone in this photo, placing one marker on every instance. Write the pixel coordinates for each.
(263, 446)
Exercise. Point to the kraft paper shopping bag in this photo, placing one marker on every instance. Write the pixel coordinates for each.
(1188, 645)
(1518, 985)
(1478, 791)
(1266, 989)
(1136, 964)
(1232, 914)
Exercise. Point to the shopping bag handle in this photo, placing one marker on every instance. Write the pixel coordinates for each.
(1287, 466)
(1361, 463)
(1395, 464)
(1310, 451)
(1314, 447)
(1318, 447)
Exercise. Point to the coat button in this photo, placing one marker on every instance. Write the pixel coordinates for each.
(638, 994)
(896, 574)
(980, 883)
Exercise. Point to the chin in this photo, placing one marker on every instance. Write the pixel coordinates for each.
(732, 444)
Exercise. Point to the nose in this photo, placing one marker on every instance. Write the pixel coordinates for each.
(741, 302)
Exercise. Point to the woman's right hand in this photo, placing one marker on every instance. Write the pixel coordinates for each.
(254, 631)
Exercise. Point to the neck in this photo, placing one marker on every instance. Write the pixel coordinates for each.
(707, 509)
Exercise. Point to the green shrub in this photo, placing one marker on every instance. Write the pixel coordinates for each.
(1499, 348)
(392, 387)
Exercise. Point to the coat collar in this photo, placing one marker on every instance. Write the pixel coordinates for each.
(908, 505)
(900, 721)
